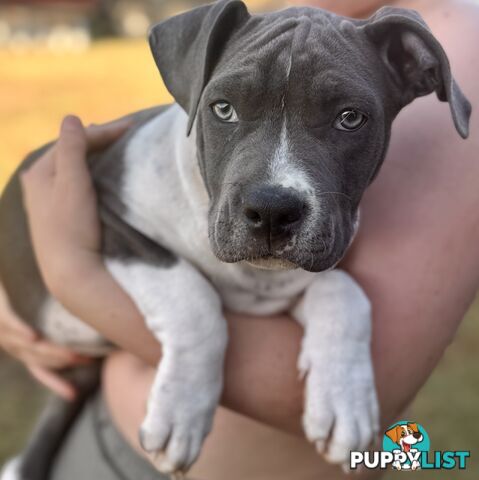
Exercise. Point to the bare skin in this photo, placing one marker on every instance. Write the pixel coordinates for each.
(415, 256)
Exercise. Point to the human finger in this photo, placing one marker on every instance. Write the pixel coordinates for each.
(42, 353)
(70, 151)
(61, 356)
(54, 382)
(101, 136)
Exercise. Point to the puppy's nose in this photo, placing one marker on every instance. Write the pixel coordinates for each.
(272, 211)
(417, 435)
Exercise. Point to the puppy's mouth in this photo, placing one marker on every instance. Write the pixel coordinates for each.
(269, 262)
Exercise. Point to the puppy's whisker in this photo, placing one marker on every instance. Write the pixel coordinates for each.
(217, 220)
(336, 193)
(312, 260)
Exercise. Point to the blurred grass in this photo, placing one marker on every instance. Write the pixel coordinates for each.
(448, 405)
(36, 89)
(114, 78)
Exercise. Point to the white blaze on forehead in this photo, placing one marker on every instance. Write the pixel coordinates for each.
(284, 171)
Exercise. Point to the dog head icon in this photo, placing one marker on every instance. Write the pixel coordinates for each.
(405, 435)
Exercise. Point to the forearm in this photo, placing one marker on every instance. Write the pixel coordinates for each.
(109, 310)
(261, 380)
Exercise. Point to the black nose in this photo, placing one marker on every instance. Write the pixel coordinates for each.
(272, 211)
(417, 435)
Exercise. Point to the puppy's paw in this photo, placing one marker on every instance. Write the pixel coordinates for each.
(180, 416)
(415, 466)
(341, 411)
(11, 470)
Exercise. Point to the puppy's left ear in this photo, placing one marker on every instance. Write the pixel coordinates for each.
(187, 47)
(416, 61)
(413, 427)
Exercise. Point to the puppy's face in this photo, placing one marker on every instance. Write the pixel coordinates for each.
(405, 435)
(293, 114)
(291, 129)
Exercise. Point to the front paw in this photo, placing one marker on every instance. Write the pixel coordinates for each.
(415, 466)
(341, 411)
(179, 417)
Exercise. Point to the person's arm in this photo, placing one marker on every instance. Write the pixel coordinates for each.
(65, 229)
(59, 186)
(40, 357)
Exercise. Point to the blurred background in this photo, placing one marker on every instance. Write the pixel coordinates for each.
(90, 57)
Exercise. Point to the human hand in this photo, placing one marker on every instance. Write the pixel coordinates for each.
(65, 228)
(61, 208)
(39, 356)
(61, 203)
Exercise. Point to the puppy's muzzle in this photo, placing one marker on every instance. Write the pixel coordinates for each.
(273, 213)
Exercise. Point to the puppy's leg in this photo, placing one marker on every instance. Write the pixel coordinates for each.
(415, 464)
(184, 313)
(340, 400)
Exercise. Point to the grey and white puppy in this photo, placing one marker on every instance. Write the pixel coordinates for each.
(238, 196)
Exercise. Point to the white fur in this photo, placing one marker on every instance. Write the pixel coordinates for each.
(341, 401)
(10, 470)
(184, 312)
(283, 171)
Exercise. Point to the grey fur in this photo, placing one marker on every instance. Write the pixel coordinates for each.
(377, 65)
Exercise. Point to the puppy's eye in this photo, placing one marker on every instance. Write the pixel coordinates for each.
(225, 111)
(350, 120)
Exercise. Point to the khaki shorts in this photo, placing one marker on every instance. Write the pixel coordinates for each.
(95, 450)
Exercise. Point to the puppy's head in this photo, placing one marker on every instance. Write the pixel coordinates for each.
(405, 435)
(293, 113)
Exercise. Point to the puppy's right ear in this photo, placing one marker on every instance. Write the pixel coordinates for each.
(415, 60)
(187, 47)
(394, 433)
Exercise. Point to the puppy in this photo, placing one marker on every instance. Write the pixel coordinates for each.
(406, 436)
(244, 195)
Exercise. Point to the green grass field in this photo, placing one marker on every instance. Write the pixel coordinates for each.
(117, 77)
